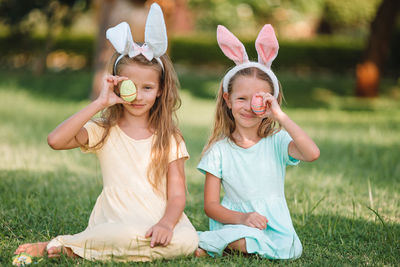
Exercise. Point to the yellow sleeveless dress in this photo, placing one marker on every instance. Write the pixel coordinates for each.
(127, 206)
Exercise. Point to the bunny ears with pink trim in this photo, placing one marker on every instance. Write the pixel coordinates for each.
(267, 49)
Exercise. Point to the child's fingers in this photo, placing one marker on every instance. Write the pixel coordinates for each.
(109, 82)
(268, 99)
(251, 224)
(153, 241)
(118, 79)
(112, 79)
(268, 96)
(121, 78)
(163, 240)
(263, 218)
(149, 232)
(261, 222)
(260, 225)
(263, 225)
(168, 240)
(108, 78)
(157, 240)
(265, 95)
(257, 220)
(259, 94)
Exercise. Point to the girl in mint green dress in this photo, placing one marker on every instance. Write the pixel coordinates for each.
(247, 154)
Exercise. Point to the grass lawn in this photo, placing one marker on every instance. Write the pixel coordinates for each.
(345, 207)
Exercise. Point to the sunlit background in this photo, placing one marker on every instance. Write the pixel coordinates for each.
(339, 66)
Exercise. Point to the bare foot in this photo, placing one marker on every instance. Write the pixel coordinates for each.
(200, 253)
(33, 249)
(55, 252)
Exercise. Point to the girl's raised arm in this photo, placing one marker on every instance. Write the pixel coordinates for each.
(71, 133)
(302, 147)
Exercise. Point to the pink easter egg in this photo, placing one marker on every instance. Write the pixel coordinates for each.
(257, 105)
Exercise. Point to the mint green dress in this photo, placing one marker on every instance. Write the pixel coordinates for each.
(253, 180)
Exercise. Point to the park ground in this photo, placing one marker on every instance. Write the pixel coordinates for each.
(345, 206)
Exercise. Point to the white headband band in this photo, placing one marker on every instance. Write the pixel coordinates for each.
(122, 55)
(267, 49)
(250, 64)
(155, 36)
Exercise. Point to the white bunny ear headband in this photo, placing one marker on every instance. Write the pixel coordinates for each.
(267, 49)
(155, 37)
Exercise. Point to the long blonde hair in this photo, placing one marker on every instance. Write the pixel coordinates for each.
(224, 122)
(162, 119)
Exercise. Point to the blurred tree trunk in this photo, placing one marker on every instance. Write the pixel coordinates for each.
(368, 73)
(40, 66)
(182, 19)
(102, 52)
(58, 16)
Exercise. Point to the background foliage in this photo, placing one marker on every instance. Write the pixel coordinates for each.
(245, 16)
(332, 33)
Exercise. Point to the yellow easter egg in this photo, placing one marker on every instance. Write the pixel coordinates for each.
(128, 90)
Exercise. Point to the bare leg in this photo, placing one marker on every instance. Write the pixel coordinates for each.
(200, 253)
(238, 245)
(33, 249)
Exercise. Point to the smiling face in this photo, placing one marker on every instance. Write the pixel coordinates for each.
(147, 82)
(239, 100)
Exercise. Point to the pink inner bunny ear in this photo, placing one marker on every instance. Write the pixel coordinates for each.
(267, 45)
(231, 46)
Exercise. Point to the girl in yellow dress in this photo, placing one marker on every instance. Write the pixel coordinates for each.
(139, 213)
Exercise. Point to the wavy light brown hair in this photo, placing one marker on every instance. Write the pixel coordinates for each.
(162, 120)
(224, 122)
